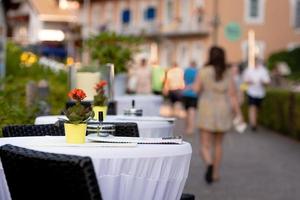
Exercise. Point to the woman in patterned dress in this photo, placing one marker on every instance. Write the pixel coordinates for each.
(216, 105)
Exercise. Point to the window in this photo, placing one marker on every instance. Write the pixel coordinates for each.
(253, 8)
(182, 54)
(126, 16)
(150, 14)
(169, 11)
(185, 11)
(254, 11)
(198, 53)
(297, 14)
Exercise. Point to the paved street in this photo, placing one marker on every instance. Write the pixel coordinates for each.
(256, 166)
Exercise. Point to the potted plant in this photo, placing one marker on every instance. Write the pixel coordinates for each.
(75, 126)
(100, 100)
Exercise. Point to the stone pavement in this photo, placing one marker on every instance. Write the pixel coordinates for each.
(256, 166)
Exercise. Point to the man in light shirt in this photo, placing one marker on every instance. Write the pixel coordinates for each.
(256, 78)
(157, 78)
(173, 86)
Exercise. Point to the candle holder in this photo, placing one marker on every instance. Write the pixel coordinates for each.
(133, 111)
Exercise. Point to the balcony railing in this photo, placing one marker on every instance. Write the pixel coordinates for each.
(184, 28)
(158, 29)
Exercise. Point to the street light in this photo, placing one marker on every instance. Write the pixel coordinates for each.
(251, 48)
(216, 22)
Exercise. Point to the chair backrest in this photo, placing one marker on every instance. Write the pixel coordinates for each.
(123, 129)
(38, 175)
(126, 129)
(33, 130)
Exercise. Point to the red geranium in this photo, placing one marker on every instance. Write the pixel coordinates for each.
(77, 94)
(100, 99)
(77, 113)
(100, 85)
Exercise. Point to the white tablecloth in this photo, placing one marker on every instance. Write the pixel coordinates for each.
(48, 119)
(150, 104)
(148, 126)
(143, 172)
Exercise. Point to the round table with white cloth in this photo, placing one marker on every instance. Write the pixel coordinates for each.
(48, 119)
(123, 173)
(150, 104)
(149, 126)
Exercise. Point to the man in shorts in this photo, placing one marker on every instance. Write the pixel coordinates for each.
(173, 86)
(189, 97)
(256, 77)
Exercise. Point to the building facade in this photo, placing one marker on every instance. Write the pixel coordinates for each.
(183, 30)
(275, 24)
(175, 30)
(47, 25)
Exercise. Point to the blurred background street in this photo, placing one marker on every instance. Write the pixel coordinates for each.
(155, 59)
(262, 165)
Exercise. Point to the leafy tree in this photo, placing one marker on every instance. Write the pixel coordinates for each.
(12, 97)
(108, 47)
(289, 57)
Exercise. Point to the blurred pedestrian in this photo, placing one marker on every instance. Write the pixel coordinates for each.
(173, 86)
(131, 79)
(189, 97)
(216, 105)
(238, 80)
(157, 78)
(256, 77)
(143, 74)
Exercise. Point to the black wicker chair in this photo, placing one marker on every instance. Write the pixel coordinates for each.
(186, 196)
(32, 130)
(124, 129)
(38, 175)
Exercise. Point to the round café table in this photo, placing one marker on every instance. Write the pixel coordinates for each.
(145, 171)
(150, 104)
(149, 126)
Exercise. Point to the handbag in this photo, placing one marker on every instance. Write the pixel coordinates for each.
(239, 125)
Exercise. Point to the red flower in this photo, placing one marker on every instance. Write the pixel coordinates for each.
(100, 85)
(77, 94)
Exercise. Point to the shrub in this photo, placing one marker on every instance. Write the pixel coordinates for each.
(12, 97)
(280, 111)
(108, 47)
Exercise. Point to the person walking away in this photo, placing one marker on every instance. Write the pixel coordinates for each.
(216, 105)
(239, 125)
(157, 78)
(238, 80)
(256, 77)
(174, 84)
(131, 79)
(189, 97)
(143, 74)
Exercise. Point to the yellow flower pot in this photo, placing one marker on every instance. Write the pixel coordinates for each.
(75, 133)
(98, 109)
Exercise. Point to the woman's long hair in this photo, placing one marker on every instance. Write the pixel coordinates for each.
(217, 60)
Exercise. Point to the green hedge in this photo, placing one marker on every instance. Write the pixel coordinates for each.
(280, 111)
